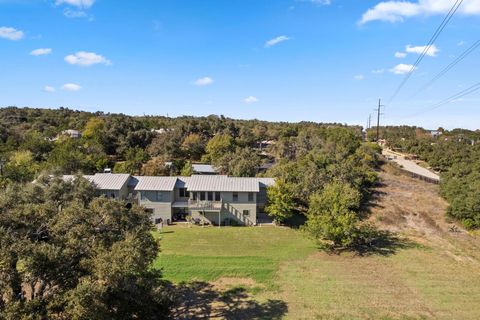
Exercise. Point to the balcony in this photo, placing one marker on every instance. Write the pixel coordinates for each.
(205, 205)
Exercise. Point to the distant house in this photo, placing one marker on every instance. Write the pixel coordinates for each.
(74, 134)
(161, 130)
(198, 168)
(435, 133)
(214, 199)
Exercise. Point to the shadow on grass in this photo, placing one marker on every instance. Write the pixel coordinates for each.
(378, 242)
(201, 300)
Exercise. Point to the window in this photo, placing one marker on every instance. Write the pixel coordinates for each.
(194, 195)
(159, 196)
(202, 196)
(183, 193)
(217, 196)
(112, 195)
(142, 196)
(250, 197)
(246, 212)
(235, 197)
(210, 196)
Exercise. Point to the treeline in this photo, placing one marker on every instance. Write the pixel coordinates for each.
(328, 177)
(456, 155)
(31, 141)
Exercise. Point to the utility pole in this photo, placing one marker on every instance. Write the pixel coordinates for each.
(369, 121)
(378, 117)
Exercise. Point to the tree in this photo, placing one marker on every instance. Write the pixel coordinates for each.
(94, 129)
(281, 205)
(244, 162)
(187, 169)
(21, 167)
(65, 254)
(194, 146)
(332, 219)
(218, 146)
(134, 159)
(155, 167)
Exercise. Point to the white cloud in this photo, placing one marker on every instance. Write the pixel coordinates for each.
(275, 41)
(86, 59)
(400, 54)
(431, 52)
(71, 87)
(250, 100)
(41, 52)
(205, 81)
(11, 33)
(397, 11)
(49, 89)
(76, 3)
(402, 68)
(359, 77)
(378, 71)
(74, 13)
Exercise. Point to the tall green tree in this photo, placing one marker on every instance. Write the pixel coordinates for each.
(281, 204)
(332, 218)
(65, 254)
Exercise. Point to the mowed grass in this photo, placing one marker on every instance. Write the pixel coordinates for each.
(418, 282)
(415, 283)
(195, 253)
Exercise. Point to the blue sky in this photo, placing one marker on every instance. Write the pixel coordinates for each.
(288, 60)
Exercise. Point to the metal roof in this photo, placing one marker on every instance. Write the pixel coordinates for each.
(109, 181)
(222, 183)
(266, 182)
(155, 183)
(203, 168)
(112, 181)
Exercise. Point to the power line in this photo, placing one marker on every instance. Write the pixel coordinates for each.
(449, 67)
(439, 30)
(450, 99)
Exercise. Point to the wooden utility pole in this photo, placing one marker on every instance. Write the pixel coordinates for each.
(378, 117)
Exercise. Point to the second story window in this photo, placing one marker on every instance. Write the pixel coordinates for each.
(235, 197)
(217, 196)
(202, 196)
(250, 197)
(194, 195)
(183, 193)
(210, 196)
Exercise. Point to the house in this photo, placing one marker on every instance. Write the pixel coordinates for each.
(74, 134)
(214, 199)
(198, 168)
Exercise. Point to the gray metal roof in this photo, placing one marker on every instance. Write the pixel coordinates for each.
(203, 168)
(155, 183)
(222, 183)
(112, 181)
(266, 182)
(109, 181)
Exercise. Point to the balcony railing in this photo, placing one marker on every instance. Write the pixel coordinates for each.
(205, 205)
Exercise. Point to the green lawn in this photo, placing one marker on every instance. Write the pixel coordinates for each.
(210, 253)
(418, 282)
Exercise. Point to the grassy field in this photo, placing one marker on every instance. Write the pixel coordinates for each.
(276, 273)
(210, 253)
(418, 282)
